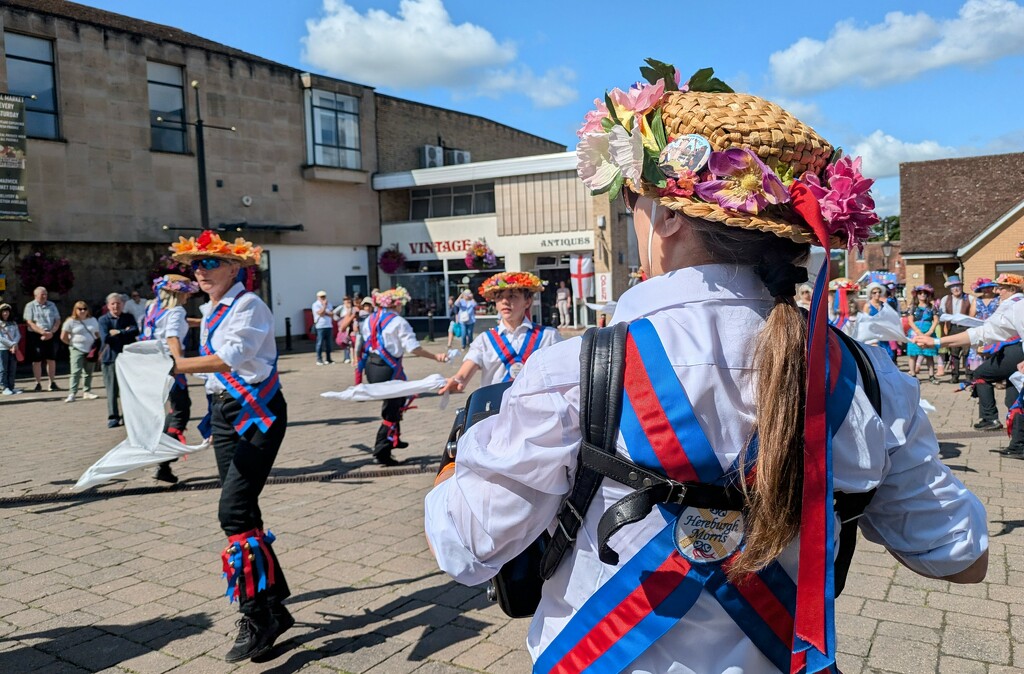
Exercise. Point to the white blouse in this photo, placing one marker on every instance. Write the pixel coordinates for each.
(244, 339)
(481, 351)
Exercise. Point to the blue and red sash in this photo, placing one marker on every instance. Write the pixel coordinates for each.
(656, 587)
(507, 354)
(254, 398)
(154, 314)
(379, 320)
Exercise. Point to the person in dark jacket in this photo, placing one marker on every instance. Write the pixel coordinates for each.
(117, 329)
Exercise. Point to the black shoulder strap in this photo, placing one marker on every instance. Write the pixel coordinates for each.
(602, 362)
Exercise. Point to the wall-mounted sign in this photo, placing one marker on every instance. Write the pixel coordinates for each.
(604, 286)
(13, 202)
(450, 246)
(568, 242)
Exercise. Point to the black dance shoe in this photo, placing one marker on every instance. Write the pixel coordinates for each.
(256, 636)
(165, 474)
(388, 461)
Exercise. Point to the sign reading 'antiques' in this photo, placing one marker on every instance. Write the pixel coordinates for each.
(13, 203)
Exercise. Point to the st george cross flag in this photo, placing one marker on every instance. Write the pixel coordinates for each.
(581, 273)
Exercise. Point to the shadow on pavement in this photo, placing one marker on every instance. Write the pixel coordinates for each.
(99, 647)
(1009, 526)
(951, 450)
(335, 421)
(424, 611)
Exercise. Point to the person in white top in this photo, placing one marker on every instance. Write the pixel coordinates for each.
(248, 419)
(166, 321)
(714, 355)
(956, 303)
(1001, 334)
(387, 337)
(81, 332)
(501, 352)
(10, 335)
(322, 324)
(345, 336)
(137, 307)
(563, 300)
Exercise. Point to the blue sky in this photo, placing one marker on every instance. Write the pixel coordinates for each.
(893, 81)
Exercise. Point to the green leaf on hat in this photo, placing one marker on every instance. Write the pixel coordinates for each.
(837, 154)
(657, 70)
(705, 80)
(652, 173)
(657, 128)
(611, 109)
(616, 187)
(607, 124)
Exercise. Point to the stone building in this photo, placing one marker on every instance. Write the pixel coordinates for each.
(962, 216)
(112, 158)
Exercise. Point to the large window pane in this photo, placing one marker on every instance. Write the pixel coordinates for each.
(26, 78)
(163, 73)
(324, 128)
(441, 207)
(483, 202)
(40, 124)
(348, 131)
(30, 74)
(27, 47)
(420, 209)
(335, 122)
(463, 205)
(166, 102)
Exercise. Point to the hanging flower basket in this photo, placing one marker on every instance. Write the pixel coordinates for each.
(480, 256)
(54, 274)
(391, 260)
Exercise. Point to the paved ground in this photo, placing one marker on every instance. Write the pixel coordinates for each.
(130, 582)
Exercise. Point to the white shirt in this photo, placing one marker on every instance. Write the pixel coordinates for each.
(481, 351)
(514, 469)
(137, 308)
(83, 333)
(173, 323)
(956, 304)
(1005, 323)
(398, 336)
(244, 339)
(325, 320)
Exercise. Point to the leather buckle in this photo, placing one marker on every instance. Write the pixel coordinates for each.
(567, 506)
(676, 493)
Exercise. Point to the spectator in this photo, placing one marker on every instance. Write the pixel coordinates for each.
(117, 329)
(924, 321)
(136, 307)
(956, 303)
(452, 317)
(345, 336)
(81, 332)
(803, 296)
(322, 324)
(563, 299)
(466, 316)
(42, 321)
(10, 335)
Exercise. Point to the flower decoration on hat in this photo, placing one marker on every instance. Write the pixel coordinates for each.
(175, 283)
(510, 280)
(704, 150)
(1005, 279)
(924, 287)
(1020, 249)
(982, 283)
(209, 244)
(392, 299)
(480, 256)
(844, 284)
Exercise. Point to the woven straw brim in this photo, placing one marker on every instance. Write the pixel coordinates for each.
(742, 120)
(188, 257)
(489, 293)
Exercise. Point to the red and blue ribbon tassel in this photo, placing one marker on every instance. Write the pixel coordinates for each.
(814, 640)
(244, 553)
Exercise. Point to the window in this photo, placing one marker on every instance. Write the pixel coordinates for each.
(444, 202)
(30, 72)
(166, 102)
(334, 125)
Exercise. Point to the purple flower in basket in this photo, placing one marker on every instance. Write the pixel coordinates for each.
(743, 182)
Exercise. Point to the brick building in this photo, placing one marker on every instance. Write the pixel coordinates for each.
(961, 216)
(112, 165)
(873, 258)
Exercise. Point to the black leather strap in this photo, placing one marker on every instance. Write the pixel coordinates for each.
(602, 361)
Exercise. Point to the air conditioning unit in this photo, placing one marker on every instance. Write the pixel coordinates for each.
(431, 156)
(456, 157)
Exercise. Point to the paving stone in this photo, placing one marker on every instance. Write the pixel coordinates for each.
(892, 654)
(976, 645)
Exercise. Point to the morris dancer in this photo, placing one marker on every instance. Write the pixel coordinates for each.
(165, 320)
(387, 337)
(249, 417)
(716, 355)
(502, 351)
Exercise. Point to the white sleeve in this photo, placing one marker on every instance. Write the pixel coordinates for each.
(175, 323)
(407, 336)
(921, 511)
(476, 352)
(1001, 326)
(512, 471)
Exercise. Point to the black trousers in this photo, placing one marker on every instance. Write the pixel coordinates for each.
(957, 354)
(243, 464)
(376, 371)
(997, 368)
(181, 409)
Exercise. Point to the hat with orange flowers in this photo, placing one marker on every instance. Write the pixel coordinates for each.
(209, 244)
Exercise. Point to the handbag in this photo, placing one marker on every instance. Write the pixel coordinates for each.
(457, 329)
(94, 353)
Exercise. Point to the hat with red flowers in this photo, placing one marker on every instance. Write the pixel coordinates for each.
(510, 280)
(1014, 280)
(702, 149)
(209, 244)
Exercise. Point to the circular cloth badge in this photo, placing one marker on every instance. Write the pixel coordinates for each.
(514, 369)
(690, 152)
(705, 535)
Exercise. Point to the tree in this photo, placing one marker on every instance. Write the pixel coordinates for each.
(889, 224)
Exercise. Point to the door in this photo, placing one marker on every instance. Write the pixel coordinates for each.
(356, 285)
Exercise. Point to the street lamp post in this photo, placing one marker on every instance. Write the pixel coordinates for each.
(200, 125)
(886, 245)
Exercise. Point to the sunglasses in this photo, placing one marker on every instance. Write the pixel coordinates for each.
(207, 263)
(876, 292)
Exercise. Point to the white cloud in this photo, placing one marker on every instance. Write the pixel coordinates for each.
(420, 47)
(883, 153)
(901, 47)
(808, 113)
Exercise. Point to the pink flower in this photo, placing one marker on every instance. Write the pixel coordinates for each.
(638, 100)
(592, 120)
(744, 183)
(846, 202)
(681, 186)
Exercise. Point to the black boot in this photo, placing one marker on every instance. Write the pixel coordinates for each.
(283, 616)
(165, 474)
(256, 635)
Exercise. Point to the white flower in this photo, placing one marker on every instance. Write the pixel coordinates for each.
(594, 163)
(627, 151)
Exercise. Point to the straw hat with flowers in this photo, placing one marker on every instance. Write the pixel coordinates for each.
(510, 280)
(706, 151)
(210, 245)
(392, 299)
